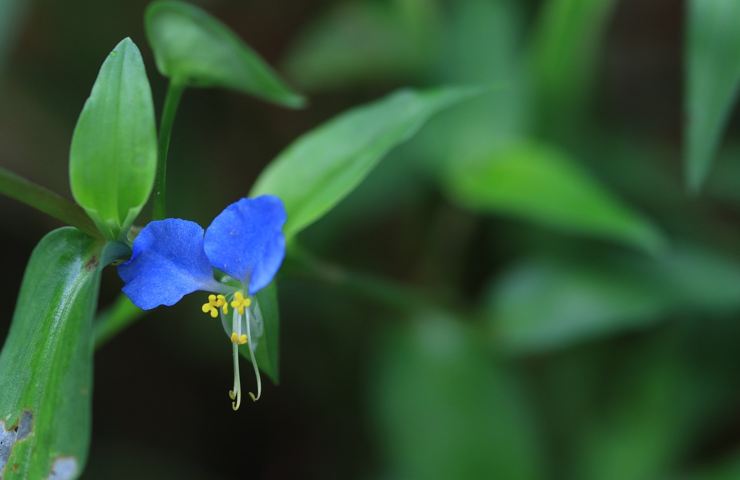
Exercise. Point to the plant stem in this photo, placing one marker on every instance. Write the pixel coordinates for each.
(382, 290)
(116, 318)
(45, 200)
(171, 102)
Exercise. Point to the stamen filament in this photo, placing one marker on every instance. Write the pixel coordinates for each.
(236, 393)
(254, 364)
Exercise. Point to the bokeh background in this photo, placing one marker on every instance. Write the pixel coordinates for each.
(513, 344)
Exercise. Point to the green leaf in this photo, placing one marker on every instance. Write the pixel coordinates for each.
(712, 80)
(541, 184)
(645, 421)
(325, 165)
(193, 48)
(564, 49)
(46, 363)
(267, 353)
(114, 147)
(574, 302)
(581, 300)
(447, 410)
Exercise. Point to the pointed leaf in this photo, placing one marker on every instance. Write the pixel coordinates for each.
(46, 362)
(541, 184)
(113, 157)
(193, 48)
(323, 166)
(712, 80)
(579, 300)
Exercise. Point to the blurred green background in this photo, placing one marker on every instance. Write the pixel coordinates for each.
(566, 309)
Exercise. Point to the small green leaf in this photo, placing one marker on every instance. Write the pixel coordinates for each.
(114, 147)
(325, 165)
(267, 353)
(712, 80)
(447, 410)
(541, 184)
(193, 48)
(46, 363)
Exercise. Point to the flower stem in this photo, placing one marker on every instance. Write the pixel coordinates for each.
(171, 102)
(43, 199)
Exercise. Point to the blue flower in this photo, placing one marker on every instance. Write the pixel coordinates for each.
(236, 256)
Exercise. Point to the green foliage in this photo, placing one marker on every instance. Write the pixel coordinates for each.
(542, 184)
(642, 428)
(579, 300)
(524, 354)
(113, 157)
(45, 200)
(320, 168)
(193, 48)
(712, 80)
(564, 49)
(448, 410)
(46, 363)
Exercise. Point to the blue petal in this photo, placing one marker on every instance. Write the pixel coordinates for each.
(167, 263)
(246, 240)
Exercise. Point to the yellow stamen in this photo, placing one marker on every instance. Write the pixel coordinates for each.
(240, 302)
(214, 303)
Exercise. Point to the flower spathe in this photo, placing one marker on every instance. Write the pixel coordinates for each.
(173, 257)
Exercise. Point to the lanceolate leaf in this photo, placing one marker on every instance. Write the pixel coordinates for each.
(46, 362)
(193, 48)
(712, 80)
(325, 165)
(114, 147)
(580, 300)
(541, 184)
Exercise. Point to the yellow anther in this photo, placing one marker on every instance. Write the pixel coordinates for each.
(238, 339)
(239, 303)
(214, 303)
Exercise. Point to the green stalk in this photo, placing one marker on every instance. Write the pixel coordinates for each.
(378, 289)
(46, 201)
(171, 102)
